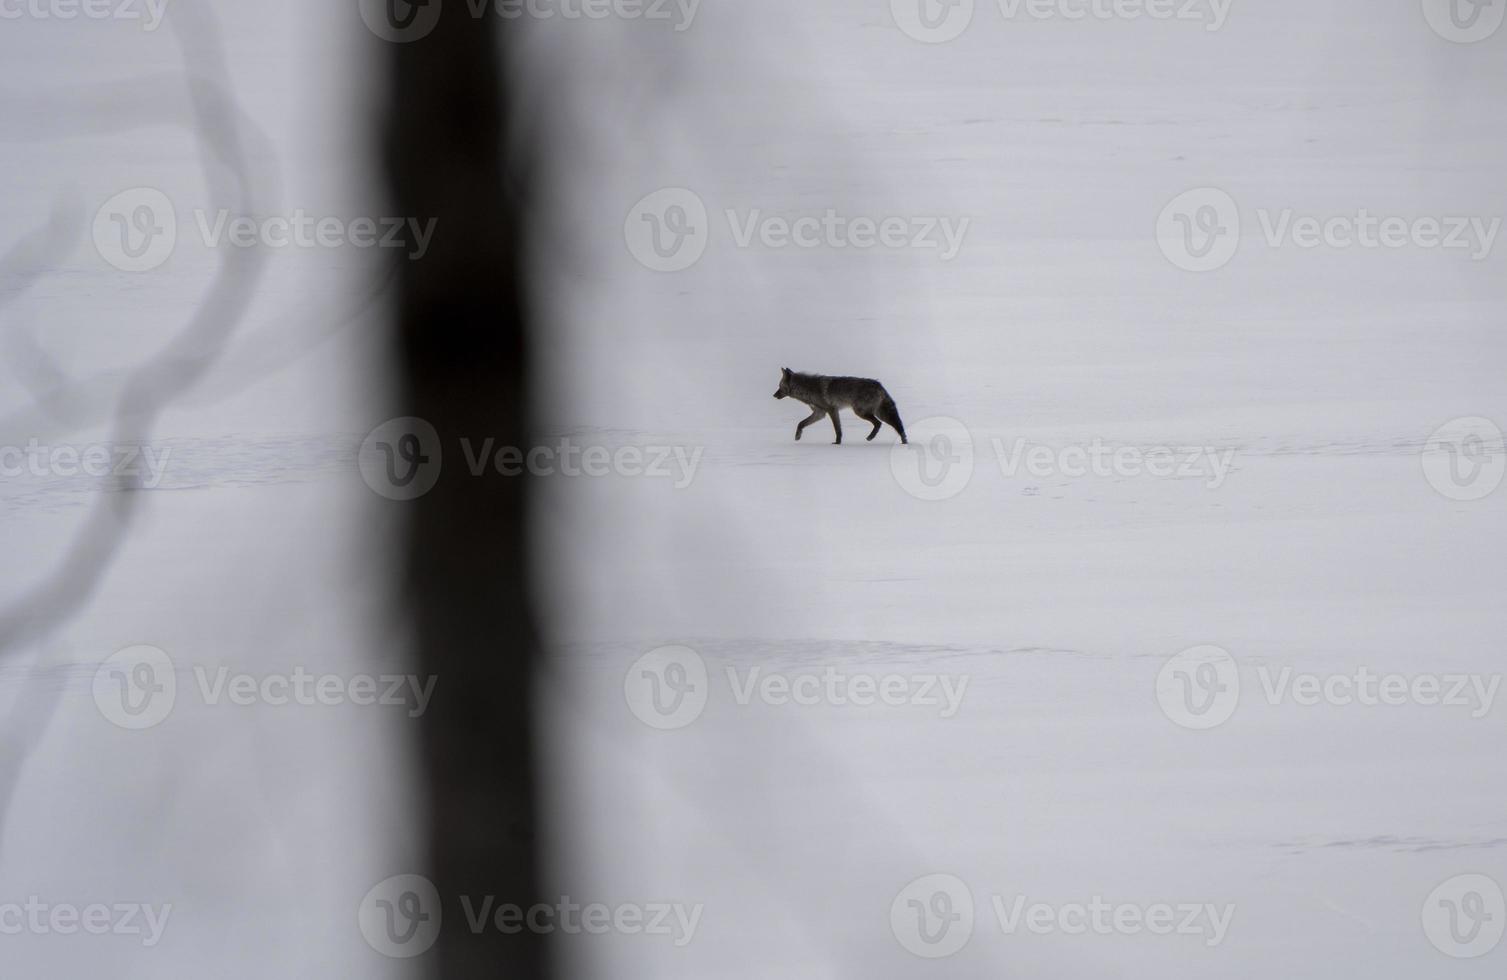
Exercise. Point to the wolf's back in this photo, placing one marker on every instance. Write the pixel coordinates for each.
(865, 392)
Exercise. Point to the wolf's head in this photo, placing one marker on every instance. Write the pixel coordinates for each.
(784, 390)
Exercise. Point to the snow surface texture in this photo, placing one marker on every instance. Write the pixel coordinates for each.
(1081, 762)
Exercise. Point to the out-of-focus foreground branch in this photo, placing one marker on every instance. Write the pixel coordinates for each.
(462, 362)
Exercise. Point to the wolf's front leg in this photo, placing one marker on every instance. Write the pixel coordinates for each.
(816, 413)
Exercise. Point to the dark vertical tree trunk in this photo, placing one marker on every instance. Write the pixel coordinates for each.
(462, 359)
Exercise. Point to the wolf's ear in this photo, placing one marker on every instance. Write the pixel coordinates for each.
(786, 371)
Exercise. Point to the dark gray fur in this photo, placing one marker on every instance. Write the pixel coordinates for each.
(828, 395)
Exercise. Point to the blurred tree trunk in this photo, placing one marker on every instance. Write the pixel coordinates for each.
(462, 361)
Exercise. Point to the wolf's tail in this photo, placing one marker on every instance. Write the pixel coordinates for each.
(889, 413)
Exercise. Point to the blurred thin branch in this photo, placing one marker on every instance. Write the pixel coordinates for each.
(280, 341)
(221, 129)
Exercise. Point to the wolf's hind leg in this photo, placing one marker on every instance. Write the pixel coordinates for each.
(877, 426)
(816, 413)
(836, 425)
(891, 414)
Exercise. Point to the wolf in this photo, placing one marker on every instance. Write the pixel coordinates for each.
(826, 396)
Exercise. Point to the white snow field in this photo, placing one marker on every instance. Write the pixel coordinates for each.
(1031, 746)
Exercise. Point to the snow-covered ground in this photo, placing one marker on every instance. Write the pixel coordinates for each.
(1058, 598)
(1305, 537)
